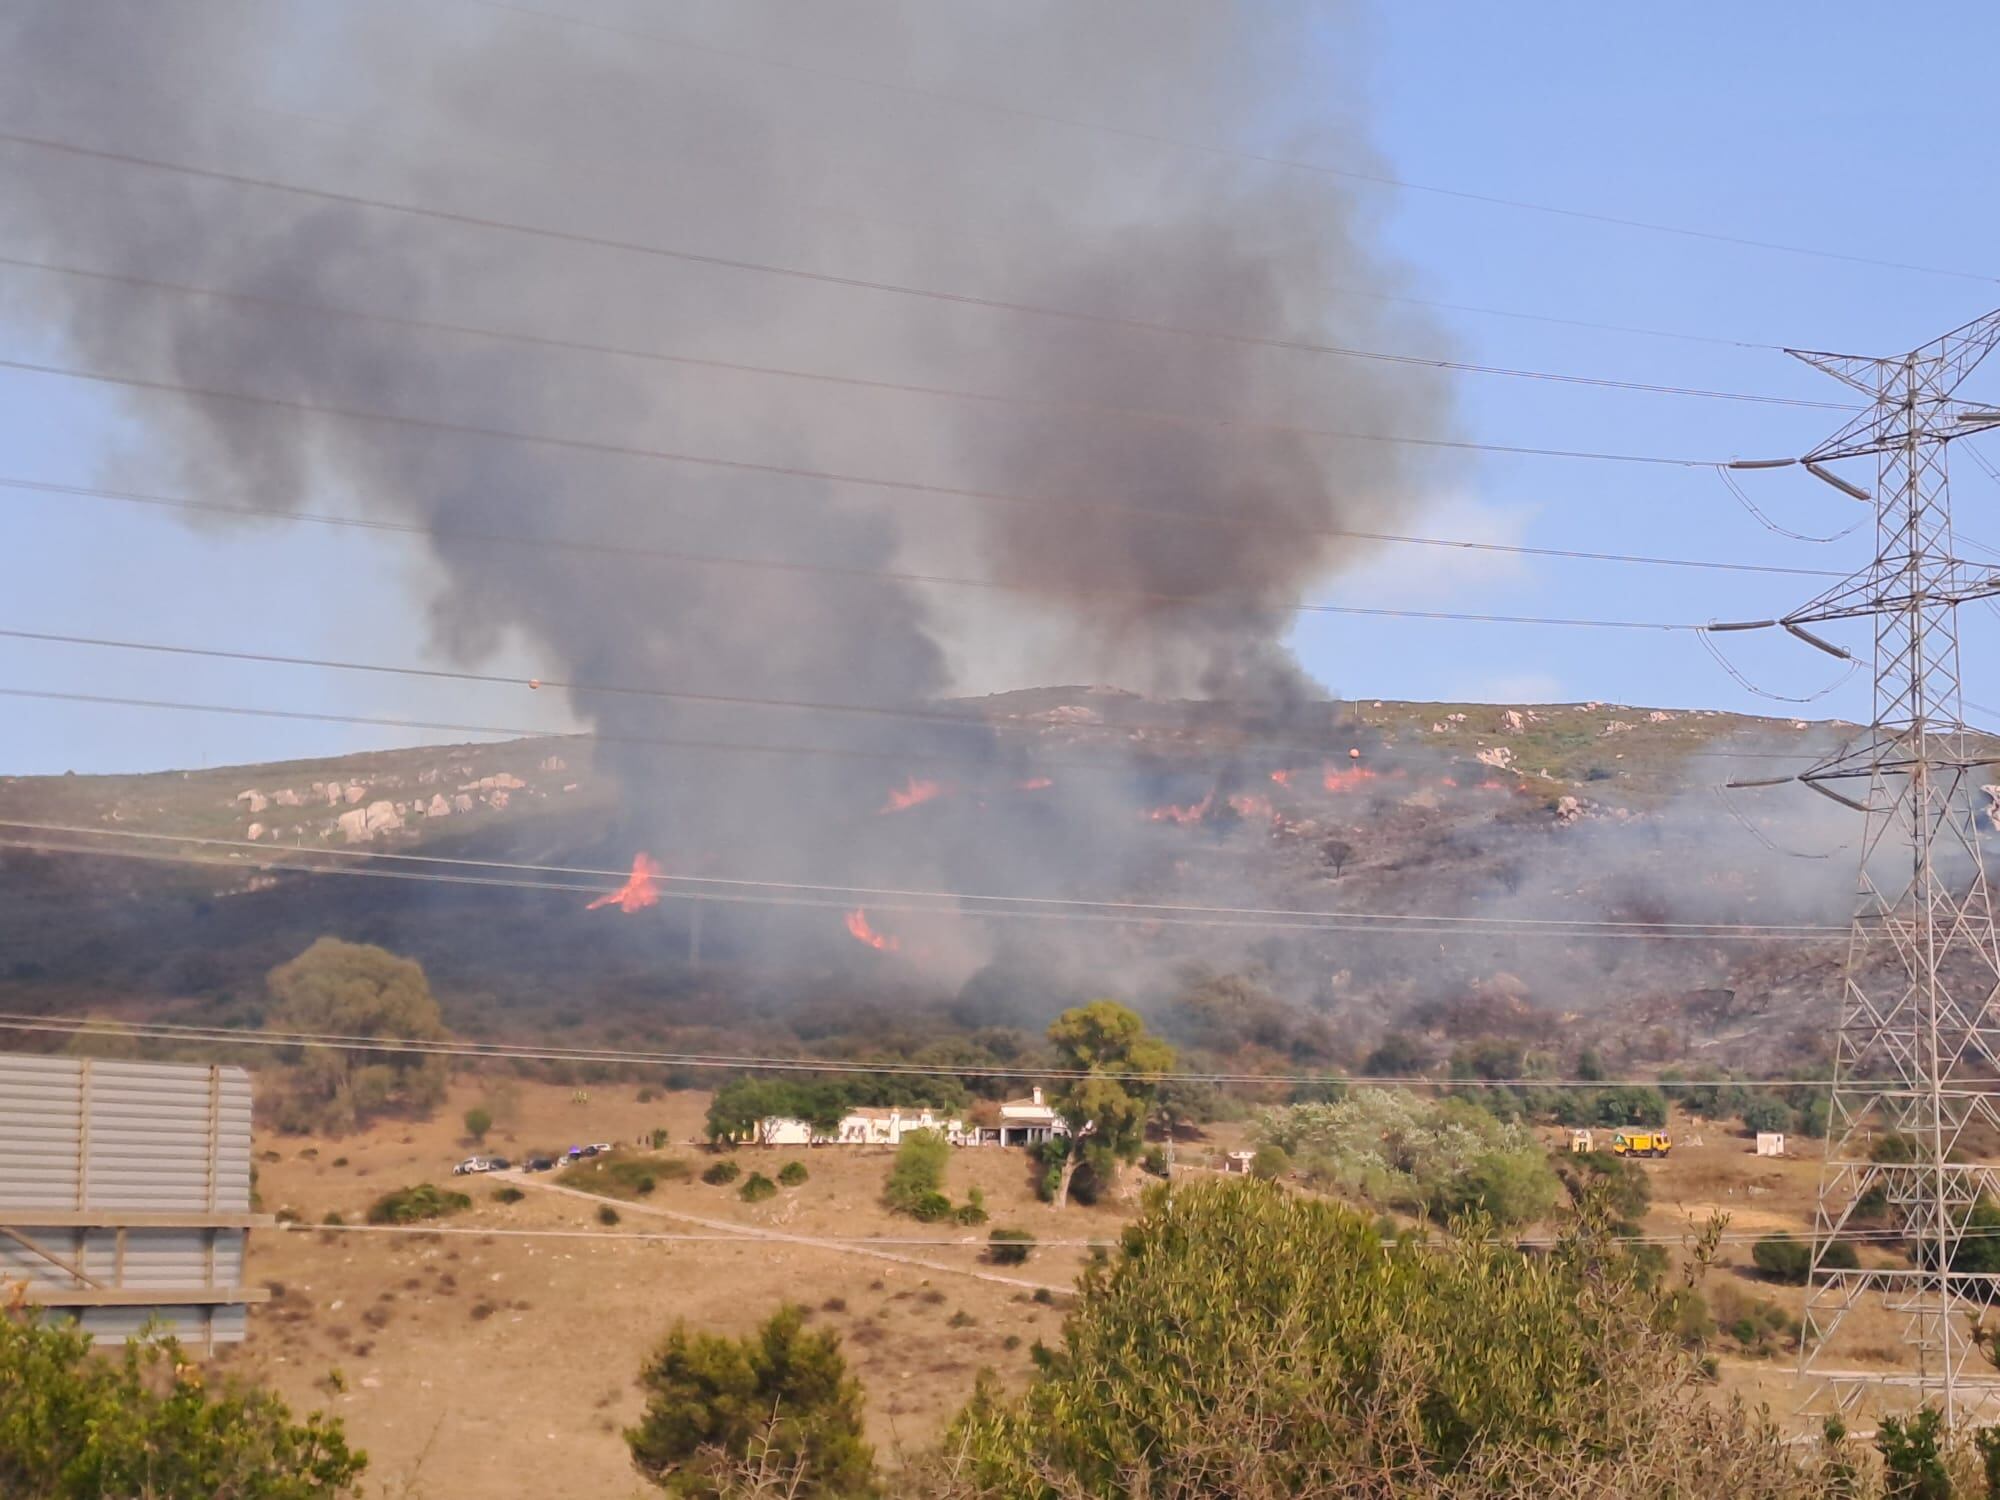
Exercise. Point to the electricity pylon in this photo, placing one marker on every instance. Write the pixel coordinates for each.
(1916, 1064)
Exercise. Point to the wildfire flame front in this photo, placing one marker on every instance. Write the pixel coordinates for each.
(638, 892)
(912, 794)
(861, 932)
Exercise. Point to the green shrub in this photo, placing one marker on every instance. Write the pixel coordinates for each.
(507, 1193)
(606, 1215)
(1154, 1161)
(622, 1174)
(411, 1205)
(782, 1394)
(916, 1177)
(333, 1221)
(1912, 1450)
(1009, 1247)
(1275, 1339)
(1782, 1258)
(660, 1136)
(756, 1188)
(142, 1421)
(478, 1120)
(722, 1174)
(930, 1208)
(792, 1173)
(1270, 1163)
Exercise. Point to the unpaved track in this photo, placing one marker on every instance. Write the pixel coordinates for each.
(751, 1231)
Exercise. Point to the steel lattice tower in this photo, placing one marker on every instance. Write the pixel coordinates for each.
(1917, 1050)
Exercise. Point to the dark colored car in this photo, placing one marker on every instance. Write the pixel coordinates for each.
(497, 1164)
(538, 1164)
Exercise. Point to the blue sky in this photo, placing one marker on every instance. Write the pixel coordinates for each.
(1845, 135)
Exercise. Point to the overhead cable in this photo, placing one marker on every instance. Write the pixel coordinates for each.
(171, 1031)
(1122, 765)
(1349, 174)
(858, 283)
(626, 549)
(849, 894)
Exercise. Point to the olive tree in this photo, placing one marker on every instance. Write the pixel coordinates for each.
(1106, 1108)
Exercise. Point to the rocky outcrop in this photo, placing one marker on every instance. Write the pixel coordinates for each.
(353, 825)
(1500, 757)
(437, 807)
(382, 816)
(253, 801)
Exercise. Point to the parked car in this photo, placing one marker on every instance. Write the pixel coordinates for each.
(472, 1164)
(538, 1164)
(497, 1164)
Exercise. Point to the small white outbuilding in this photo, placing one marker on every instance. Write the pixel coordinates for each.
(1770, 1143)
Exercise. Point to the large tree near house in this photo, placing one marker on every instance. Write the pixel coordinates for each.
(1105, 1108)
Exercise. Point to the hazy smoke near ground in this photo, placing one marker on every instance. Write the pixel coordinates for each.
(1144, 543)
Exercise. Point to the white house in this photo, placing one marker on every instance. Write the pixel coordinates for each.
(1023, 1122)
(862, 1127)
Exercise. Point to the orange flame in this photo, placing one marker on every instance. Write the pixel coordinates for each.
(861, 932)
(1447, 781)
(1034, 784)
(1192, 813)
(638, 892)
(1283, 778)
(1248, 805)
(914, 793)
(1336, 780)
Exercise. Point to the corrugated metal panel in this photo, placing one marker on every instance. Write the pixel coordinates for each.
(92, 1135)
(114, 1325)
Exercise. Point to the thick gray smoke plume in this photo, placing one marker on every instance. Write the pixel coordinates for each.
(1150, 545)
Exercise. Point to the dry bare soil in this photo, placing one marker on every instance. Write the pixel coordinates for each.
(499, 1357)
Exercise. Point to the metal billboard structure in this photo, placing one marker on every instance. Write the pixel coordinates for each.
(125, 1194)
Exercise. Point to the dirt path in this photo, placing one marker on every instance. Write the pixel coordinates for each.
(750, 1231)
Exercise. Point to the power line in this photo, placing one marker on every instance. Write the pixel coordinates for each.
(723, 897)
(633, 690)
(623, 550)
(323, 309)
(1291, 164)
(1123, 766)
(626, 450)
(1145, 910)
(176, 1031)
(756, 1235)
(858, 283)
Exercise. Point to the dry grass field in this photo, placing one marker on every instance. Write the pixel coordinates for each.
(499, 1357)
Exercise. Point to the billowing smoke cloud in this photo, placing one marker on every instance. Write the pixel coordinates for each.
(1158, 530)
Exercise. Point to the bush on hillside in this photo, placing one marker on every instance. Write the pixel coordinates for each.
(1400, 1150)
(412, 1205)
(756, 1188)
(141, 1421)
(1277, 1340)
(779, 1402)
(722, 1173)
(792, 1173)
(624, 1174)
(916, 1177)
(1009, 1247)
(355, 990)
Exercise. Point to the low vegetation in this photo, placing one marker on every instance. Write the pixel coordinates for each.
(722, 1173)
(142, 1421)
(1009, 1247)
(355, 990)
(756, 1188)
(1399, 1150)
(792, 1173)
(413, 1205)
(722, 1415)
(624, 1174)
(916, 1177)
